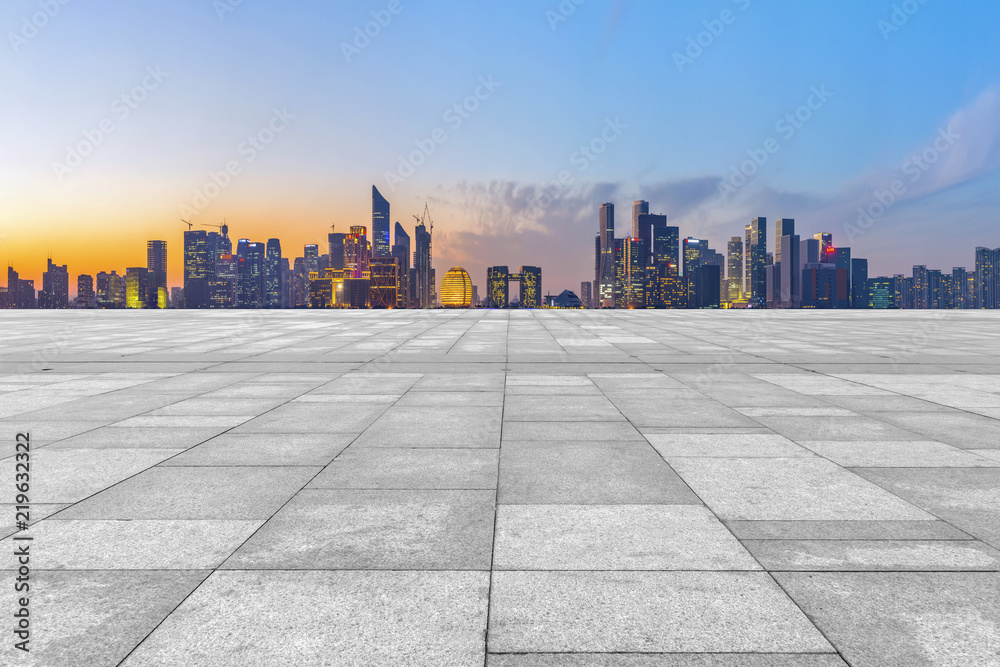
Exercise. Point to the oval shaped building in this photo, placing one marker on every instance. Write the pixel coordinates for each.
(456, 289)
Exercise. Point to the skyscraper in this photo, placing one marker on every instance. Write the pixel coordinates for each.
(401, 251)
(310, 254)
(921, 293)
(638, 208)
(860, 292)
(85, 297)
(272, 274)
(356, 251)
(694, 251)
(198, 269)
(531, 287)
(422, 268)
(380, 225)
(586, 294)
(497, 287)
(55, 287)
(250, 272)
(758, 262)
(735, 266)
(136, 287)
(606, 273)
(156, 266)
(988, 278)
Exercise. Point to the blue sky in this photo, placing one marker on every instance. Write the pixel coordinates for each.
(227, 67)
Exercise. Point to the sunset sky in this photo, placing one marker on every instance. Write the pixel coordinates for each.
(183, 84)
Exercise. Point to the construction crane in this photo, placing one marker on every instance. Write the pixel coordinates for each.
(190, 226)
(223, 227)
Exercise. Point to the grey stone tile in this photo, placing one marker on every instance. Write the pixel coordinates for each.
(966, 498)
(36, 513)
(444, 399)
(683, 413)
(70, 475)
(183, 421)
(789, 490)
(385, 468)
(113, 437)
(265, 449)
(95, 618)
(588, 473)
(615, 537)
(461, 382)
(418, 619)
(959, 429)
(371, 383)
(648, 612)
(879, 555)
(725, 445)
(836, 428)
(560, 408)
(311, 418)
(898, 454)
(196, 493)
(665, 660)
(597, 431)
(214, 406)
(434, 427)
(375, 530)
(136, 545)
(846, 530)
(919, 619)
(44, 433)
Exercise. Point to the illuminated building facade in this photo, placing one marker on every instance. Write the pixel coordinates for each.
(380, 225)
(356, 251)
(384, 283)
(136, 287)
(456, 289)
(272, 274)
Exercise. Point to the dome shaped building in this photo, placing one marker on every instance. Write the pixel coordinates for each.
(456, 289)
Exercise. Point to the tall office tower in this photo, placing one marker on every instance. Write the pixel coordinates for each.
(401, 251)
(842, 262)
(380, 225)
(286, 284)
(356, 253)
(782, 227)
(598, 258)
(694, 253)
(921, 294)
(300, 284)
(223, 285)
(136, 287)
(156, 265)
(421, 285)
(586, 294)
(336, 243)
(881, 293)
(606, 273)
(250, 275)
(384, 283)
(788, 272)
(638, 208)
(85, 297)
(198, 268)
(310, 255)
(734, 285)
(825, 245)
(497, 287)
(987, 278)
(970, 298)
(633, 270)
(55, 287)
(176, 297)
(666, 245)
(272, 274)
(747, 264)
(859, 284)
(531, 286)
(960, 290)
(651, 227)
(757, 258)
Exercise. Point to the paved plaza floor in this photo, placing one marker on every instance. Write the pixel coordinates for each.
(505, 489)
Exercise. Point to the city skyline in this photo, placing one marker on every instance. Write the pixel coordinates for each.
(700, 122)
